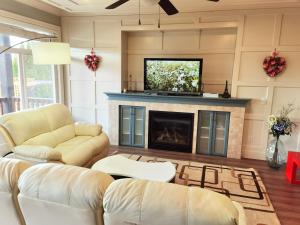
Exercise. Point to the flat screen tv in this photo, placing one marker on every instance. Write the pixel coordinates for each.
(172, 75)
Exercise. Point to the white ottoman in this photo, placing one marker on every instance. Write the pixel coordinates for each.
(120, 166)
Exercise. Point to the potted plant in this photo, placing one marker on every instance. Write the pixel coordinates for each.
(278, 126)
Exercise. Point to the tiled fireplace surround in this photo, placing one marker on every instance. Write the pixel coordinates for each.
(237, 113)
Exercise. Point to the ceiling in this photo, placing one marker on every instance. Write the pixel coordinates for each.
(97, 7)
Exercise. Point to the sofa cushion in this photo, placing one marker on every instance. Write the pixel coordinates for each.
(62, 184)
(24, 125)
(84, 129)
(145, 202)
(39, 152)
(52, 139)
(79, 150)
(58, 115)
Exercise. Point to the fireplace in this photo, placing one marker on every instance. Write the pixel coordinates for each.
(172, 131)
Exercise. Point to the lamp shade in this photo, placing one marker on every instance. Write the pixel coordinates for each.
(51, 53)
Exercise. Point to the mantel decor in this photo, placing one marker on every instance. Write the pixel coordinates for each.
(279, 126)
(226, 93)
(274, 64)
(92, 61)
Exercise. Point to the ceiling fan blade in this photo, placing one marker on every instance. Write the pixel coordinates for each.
(116, 4)
(168, 7)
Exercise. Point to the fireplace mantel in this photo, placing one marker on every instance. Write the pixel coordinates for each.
(185, 104)
(195, 100)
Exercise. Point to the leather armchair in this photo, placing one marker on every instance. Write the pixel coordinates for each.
(49, 134)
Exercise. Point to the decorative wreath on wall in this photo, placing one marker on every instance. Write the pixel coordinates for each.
(274, 65)
(92, 61)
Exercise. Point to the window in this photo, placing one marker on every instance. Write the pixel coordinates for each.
(24, 85)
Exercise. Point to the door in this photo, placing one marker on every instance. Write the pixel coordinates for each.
(138, 127)
(205, 126)
(125, 126)
(213, 130)
(220, 134)
(132, 126)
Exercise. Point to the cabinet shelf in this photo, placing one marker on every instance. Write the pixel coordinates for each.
(217, 128)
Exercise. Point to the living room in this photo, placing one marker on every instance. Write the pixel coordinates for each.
(203, 94)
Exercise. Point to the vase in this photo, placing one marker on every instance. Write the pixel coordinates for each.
(276, 154)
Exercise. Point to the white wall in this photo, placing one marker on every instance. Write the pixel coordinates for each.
(216, 47)
(259, 32)
(86, 88)
(262, 33)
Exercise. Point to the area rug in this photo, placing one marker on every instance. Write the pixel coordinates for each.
(243, 185)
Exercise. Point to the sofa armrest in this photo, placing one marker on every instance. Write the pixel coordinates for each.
(37, 153)
(85, 129)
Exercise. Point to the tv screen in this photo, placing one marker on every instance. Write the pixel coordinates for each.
(172, 75)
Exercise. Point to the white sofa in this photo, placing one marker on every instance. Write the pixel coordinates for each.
(67, 195)
(56, 194)
(141, 202)
(10, 171)
(49, 134)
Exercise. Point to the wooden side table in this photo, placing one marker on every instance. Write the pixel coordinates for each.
(293, 163)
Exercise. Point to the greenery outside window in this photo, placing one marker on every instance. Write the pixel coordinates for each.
(24, 85)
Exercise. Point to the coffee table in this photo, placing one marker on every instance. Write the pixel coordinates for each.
(122, 167)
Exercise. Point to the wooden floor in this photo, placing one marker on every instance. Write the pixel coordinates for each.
(284, 196)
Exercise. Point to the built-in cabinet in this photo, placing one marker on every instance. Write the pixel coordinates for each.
(213, 129)
(132, 126)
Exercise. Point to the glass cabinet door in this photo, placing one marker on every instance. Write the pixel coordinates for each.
(132, 126)
(213, 128)
(220, 137)
(204, 132)
(125, 125)
(138, 132)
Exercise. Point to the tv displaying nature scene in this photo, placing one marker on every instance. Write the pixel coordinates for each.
(172, 75)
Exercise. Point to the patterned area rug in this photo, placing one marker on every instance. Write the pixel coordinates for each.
(239, 184)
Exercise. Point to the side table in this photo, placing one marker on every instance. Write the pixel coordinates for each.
(293, 163)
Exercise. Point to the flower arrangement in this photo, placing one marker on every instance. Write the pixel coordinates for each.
(278, 126)
(282, 125)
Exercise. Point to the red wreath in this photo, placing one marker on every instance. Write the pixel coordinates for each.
(92, 61)
(274, 65)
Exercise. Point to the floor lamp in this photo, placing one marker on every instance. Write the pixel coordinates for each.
(47, 53)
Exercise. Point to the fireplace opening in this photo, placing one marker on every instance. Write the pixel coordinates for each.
(172, 131)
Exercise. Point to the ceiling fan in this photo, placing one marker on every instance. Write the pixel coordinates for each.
(166, 5)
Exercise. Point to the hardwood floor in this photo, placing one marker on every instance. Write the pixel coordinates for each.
(284, 196)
